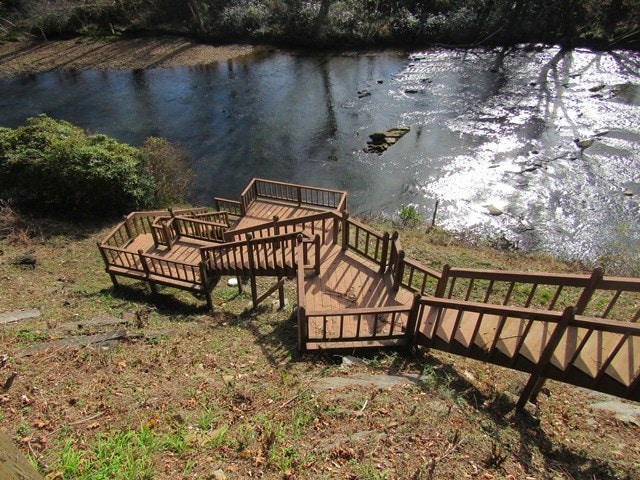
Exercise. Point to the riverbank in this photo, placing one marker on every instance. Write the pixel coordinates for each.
(182, 392)
(83, 53)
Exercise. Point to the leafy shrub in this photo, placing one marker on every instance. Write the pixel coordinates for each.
(50, 165)
(170, 168)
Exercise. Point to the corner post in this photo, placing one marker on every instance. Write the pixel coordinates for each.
(316, 242)
(252, 269)
(399, 273)
(442, 283)
(336, 228)
(412, 322)
(126, 226)
(385, 252)
(302, 329)
(147, 273)
(345, 230)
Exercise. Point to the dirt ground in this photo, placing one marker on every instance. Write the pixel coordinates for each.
(26, 57)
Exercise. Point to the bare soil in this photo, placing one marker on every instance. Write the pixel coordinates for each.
(27, 57)
(189, 393)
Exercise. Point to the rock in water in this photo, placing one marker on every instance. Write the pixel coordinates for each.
(583, 143)
(495, 211)
(381, 141)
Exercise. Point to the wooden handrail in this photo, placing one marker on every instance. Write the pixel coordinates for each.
(359, 311)
(315, 217)
(500, 310)
(543, 278)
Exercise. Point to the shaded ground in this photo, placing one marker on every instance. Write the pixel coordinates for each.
(189, 393)
(25, 57)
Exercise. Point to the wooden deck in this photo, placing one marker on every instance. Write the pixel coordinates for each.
(355, 288)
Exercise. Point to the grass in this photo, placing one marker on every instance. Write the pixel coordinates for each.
(227, 391)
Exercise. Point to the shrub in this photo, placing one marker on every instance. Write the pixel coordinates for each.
(52, 166)
(170, 169)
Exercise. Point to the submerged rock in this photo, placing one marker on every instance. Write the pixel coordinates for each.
(381, 141)
(583, 143)
(493, 210)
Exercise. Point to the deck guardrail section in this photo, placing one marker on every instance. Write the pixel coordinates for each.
(121, 257)
(525, 289)
(233, 207)
(274, 255)
(355, 324)
(200, 229)
(614, 295)
(172, 269)
(365, 241)
(290, 192)
(320, 223)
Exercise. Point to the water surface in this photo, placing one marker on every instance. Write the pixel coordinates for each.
(487, 128)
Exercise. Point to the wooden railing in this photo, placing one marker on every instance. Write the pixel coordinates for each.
(324, 223)
(213, 217)
(290, 192)
(545, 343)
(200, 229)
(382, 323)
(275, 255)
(409, 273)
(365, 241)
(163, 231)
(172, 269)
(233, 207)
(594, 295)
(120, 257)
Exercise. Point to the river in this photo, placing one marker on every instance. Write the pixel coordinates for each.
(490, 131)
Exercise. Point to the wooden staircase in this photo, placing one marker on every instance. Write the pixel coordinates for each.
(578, 329)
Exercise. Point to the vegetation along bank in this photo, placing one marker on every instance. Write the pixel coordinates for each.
(602, 24)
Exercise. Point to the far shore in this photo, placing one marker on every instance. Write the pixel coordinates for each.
(81, 53)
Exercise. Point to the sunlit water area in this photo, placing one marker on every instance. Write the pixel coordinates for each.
(491, 132)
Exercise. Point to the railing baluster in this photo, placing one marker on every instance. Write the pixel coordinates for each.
(611, 304)
(555, 297)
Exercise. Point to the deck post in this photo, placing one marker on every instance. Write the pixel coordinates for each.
(168, 236)
(412, 321)
(336, 228)
(252, 268)
(385, 252)
(126, 227)
(302, 331)
(299, 194)
(442, 283)
(147, 273)
(114, 280)
(545, 358)
(281, 291)
(345, 230)
(205, 285)
(399, 272)
(276, 230)
(316, 241)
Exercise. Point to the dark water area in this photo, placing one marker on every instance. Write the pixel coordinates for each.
(487, 130)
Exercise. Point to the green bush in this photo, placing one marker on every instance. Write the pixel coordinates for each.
(52, 166)
(171, 170)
